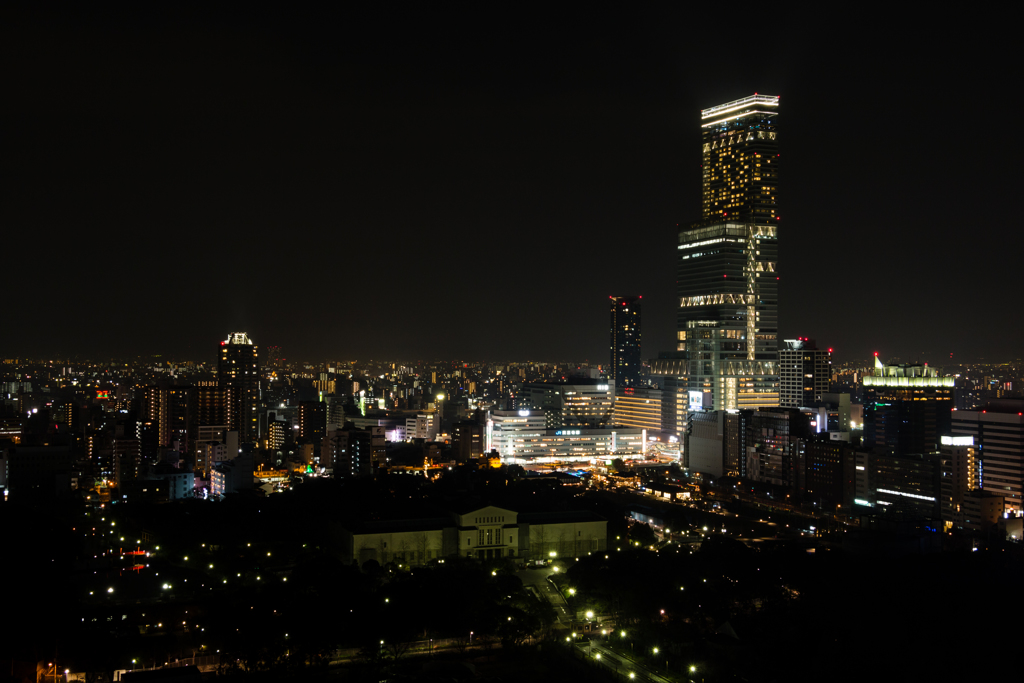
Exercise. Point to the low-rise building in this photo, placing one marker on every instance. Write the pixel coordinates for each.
(483, 533)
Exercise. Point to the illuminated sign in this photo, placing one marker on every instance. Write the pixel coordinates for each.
(567, 432)
(102, 394)
(957, 440)
(696, 400)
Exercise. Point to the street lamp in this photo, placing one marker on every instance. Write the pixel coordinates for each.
(590, 614)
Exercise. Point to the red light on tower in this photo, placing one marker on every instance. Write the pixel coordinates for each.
(830, 350)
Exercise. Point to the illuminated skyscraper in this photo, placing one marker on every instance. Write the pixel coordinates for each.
(238, 367)
(727, 279)
(625, 341)
(740, 162)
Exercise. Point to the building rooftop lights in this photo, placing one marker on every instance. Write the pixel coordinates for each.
(766, 100)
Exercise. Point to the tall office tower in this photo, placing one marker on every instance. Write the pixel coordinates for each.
(740, 163)
(998, 435)
(239, 367)
(727, 282)
(804, 373)
(906, 408)
(625, 341)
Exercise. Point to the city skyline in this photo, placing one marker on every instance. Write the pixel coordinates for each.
(193, 177)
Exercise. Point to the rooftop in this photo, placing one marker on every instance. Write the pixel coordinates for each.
(754, 100)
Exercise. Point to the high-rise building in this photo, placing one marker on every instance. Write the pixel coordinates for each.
(312, 421)
(998, 435)
(625, 341)
(960, 476)
(238, 366)
(906, 408)
(740, 162)
(776, 447)
(804, 373)
(166, 407)
(727, 280)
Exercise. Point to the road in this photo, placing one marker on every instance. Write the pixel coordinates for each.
(754, 524)
(618, 663)
(538, 578)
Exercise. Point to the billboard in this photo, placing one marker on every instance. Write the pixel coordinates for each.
(696, 400)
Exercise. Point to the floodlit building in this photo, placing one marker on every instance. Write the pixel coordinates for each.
(520, 437)
(423, 426)
(508, 430)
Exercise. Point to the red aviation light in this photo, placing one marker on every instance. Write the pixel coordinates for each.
(830, 350)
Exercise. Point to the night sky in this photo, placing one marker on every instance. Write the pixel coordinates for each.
(475, 182)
